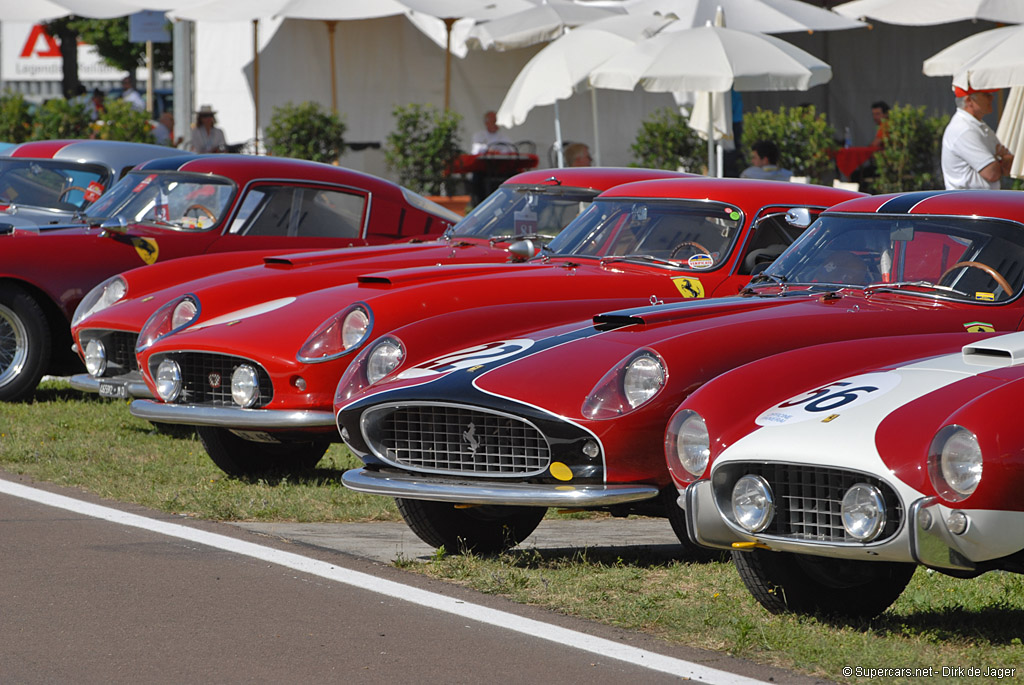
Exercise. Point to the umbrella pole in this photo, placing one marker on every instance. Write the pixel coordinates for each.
(331, 25)
(559, 153)
(711, 137)
(448, 23)
(597, 137)
(256, 82)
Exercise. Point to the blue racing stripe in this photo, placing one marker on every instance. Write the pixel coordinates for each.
(906, 202)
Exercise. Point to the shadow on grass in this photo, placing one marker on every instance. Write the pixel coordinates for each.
(640, 556)
(998, 625)
(63, 393)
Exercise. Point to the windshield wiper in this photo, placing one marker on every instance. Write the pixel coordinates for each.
(643, 259)
(528, 236)
(899, 285)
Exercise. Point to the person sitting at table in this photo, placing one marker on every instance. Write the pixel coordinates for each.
(490, 136)
(764, 158)
(880, 115)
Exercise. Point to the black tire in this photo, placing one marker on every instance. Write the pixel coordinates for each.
(691, 551)
(243, 458)
(804, 584)
(25, 343)
(482, 529)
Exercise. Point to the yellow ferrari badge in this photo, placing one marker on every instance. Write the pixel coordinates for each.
(690, 288)
(979, 327)
(147, 249)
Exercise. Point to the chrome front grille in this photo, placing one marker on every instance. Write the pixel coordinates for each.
(206, 378)
(121, 350)
(445, 438)
(808, 500)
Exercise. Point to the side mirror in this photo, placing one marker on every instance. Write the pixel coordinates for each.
(521, 250)
(115, 224)
(799, 217)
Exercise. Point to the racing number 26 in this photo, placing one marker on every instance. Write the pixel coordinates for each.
(830, 397)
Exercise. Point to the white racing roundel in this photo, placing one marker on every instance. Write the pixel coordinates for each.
(469, 357)
(828, 399)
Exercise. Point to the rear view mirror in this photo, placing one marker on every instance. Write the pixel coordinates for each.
(115, 224)
(521, 250)
(799, 217)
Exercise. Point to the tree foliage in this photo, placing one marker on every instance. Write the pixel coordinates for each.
(666, 141)
(306, 131)
(422, 147)
(15, 118)
(122, 122)
(804, 138)
(110, 36)
(59, 118)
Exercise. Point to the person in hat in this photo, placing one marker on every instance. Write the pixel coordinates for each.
(205, 136)
(972, 157)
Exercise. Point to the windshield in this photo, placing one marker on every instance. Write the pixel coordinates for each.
(957, 257)
(55, 184)
(694, 235)
(516, 211)
(173, 199)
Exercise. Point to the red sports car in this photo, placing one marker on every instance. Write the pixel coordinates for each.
(49, 182)
(532, 206)
(259, 382)
(178, 206)
(575, 416)
(854, 464)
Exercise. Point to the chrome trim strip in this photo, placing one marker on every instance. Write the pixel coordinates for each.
(522, 494)
(86, 383)
(230, 417)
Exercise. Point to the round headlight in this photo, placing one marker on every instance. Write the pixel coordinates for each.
(168, 380)
(99, 298)
(245, 385)
(643, 378)
(95, 358)
(385, 357)
(183, 313)
(863, 510)
(692, 444)
(354, 328)
(955, 462)
(752, 503)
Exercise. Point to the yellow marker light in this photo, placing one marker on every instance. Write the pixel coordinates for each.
(750, 545)
(560, 471)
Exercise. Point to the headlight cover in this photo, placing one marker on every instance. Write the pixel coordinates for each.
(688, 443)
(955, 463)
(631, 383)
(245, 385)
(357, 375)
(95, 358)
(346, 330)
(753, 505)
(168, 380)
(99, 298)
(170, 318)
(863, 512)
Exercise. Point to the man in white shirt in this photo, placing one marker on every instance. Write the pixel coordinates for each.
(132, 96)
(972, 157)
(764, 158)
(491, 135)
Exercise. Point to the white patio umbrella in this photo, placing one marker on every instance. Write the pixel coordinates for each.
(764, 16)
(554, 73)
(1011, 129)
(537, 24)
(712, 59)
(931, 12)
(990, 59)
(449, 11)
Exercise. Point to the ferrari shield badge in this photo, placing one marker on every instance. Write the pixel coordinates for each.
(979, 327)
(690, 288)
(147, 248)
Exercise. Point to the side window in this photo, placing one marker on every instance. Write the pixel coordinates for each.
(771, 237)
(300, 212)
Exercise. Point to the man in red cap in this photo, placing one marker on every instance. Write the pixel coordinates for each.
(972, 157)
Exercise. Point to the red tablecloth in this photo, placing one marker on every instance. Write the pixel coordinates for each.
(494, 163)
(849, 158)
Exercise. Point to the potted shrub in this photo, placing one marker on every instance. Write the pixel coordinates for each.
(666, 141)
(803, 136)
(59, 118)
(909, 160)
(306, 131)
(122, 122)
(422, 148)
(15, 118)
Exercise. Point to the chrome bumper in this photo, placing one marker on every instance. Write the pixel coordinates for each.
(932, 544)
(440, 489)
(230, 417)
(119, 387)
(705, 525)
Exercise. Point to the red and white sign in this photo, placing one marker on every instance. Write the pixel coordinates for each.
(29, 53)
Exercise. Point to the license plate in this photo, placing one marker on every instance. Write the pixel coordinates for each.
(113, 390)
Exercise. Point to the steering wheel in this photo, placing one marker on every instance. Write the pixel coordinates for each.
(689, 243)
(203, 209)
(69, 189)
(996, 276)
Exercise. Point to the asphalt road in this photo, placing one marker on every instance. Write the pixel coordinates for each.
(118, 594)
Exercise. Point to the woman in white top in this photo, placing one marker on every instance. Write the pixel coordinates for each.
(205, 136)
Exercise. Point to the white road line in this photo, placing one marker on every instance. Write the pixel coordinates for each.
(364, 581)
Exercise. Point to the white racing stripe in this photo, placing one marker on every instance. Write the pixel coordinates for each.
(364, 581)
